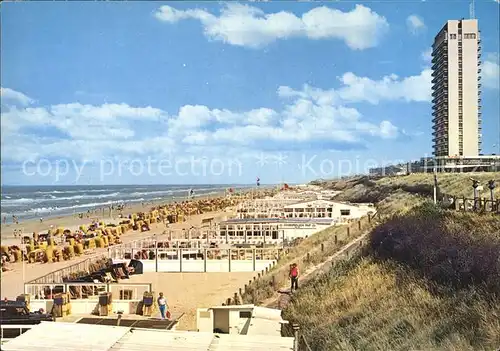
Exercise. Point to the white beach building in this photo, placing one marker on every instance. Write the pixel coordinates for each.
(271, 207)
(269, 230)
(338, 211)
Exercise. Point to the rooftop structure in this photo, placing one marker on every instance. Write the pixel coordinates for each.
(241, 319)
(55, 336)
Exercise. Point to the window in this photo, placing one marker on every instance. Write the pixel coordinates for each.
(453, 36)
(470, 35)
(345, 212)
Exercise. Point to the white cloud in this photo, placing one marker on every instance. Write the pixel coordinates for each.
(356, 89)
(490, 71)
(15, 96)
(427, 55)
(243, 25)
(415, 24)
(114, 130)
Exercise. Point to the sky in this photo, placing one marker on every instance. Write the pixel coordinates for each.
(207, 92)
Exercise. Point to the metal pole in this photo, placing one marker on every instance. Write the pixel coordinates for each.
(22, 255)
(435, 185)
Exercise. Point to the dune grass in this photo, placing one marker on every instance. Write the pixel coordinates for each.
(429, 280)
(364, 189)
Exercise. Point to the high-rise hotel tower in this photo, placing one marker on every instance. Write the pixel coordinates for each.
(456, 88)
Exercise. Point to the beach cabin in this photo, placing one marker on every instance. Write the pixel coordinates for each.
(263, 208)
(258, 231)
(338, 211)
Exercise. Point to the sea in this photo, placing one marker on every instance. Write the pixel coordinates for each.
(28, 202)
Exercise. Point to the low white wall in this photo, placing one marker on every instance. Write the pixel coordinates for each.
(87, 306)
(294, 233)
(211, 265)
(199, 266)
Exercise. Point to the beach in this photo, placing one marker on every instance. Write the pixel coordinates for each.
(12, 281)
(185, 291)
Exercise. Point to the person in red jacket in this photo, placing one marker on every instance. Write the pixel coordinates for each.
(294, 277)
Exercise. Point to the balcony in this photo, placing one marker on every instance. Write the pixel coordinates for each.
(438, 101)
(441, 65)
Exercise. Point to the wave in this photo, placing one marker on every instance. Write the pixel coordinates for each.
(73, 191)
(16, 202)
(41, 210)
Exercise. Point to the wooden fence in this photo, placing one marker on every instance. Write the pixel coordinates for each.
(462, 203)
(276, 276)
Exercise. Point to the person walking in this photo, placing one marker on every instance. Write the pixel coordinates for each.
(162, 304)
(294, 277)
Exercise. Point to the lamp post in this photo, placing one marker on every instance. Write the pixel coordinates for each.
(491, 186)
(22, 258)
(475, 185)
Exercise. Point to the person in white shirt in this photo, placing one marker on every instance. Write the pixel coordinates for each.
(162, 304)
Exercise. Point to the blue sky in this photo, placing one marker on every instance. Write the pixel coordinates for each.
(222, 93)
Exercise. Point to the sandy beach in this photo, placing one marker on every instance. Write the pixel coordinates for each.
(186, 292)
(12, 281)
(73, 221)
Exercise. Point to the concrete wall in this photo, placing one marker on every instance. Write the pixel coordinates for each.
(210, 266)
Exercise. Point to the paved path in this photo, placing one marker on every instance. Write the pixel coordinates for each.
(283, 295)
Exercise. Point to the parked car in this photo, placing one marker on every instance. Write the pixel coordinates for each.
(17, 313)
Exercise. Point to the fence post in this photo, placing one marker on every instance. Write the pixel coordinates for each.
(274, 282)
(229, 258)
(359, 224)
(295, 328)
(180, 260)
(348, 231)
(205, 251)
(253, 259)
(322, 247)
(465, 203)
(336, 239)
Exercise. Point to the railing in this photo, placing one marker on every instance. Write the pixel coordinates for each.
(135, 291)
(57, 275)
(11, 331)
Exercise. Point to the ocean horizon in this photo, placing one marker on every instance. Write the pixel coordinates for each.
(35, 201)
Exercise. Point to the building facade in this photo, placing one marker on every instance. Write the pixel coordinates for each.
(456, 90)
